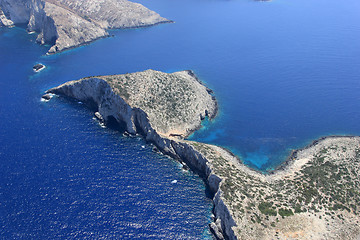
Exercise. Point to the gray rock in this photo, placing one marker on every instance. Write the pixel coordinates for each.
(66, 24)
(174, 103)
(216, 231)
(46, 97)
(4, 21)
(114, 13)
(38, 67)
(99, 117)
(127, 99)
(17, 11)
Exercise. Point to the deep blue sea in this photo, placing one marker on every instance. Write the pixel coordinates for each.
(284, 72)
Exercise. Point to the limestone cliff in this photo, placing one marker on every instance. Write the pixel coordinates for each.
(4, 21)
(114, 13)
(130, 100)
(174, 103)
(66, 24)
(314, 195)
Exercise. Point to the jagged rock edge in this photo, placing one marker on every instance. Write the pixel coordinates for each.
(138, 122)
(37, 20)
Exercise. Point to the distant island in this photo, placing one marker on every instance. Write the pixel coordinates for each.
(65, 24)
(313, 195)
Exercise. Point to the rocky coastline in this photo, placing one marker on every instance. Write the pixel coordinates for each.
(66, 24)
(294, 202)
(107, 103)
(294, 153)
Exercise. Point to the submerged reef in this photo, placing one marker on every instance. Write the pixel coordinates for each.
(313, 195)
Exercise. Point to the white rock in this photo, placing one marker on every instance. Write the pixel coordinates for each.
(66, 24)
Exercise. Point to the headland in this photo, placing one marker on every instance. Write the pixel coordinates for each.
(314, 195)
(66, 24)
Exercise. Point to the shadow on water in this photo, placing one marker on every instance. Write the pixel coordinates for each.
(120, 127)
(113, 124)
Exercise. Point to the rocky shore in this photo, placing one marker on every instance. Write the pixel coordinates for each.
(316, 195)
(65, 24)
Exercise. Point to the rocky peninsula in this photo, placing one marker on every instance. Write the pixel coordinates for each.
(314, 195)
(65, 24)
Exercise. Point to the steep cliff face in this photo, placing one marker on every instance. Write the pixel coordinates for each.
(224, 222)
(175, 107)
(68, 29)
(66, 24)
(105, 98)
(18, 11)
(4, 21)
(43, 23)
(115, 13)
(313, 196)
(175, 103)
(96, 92)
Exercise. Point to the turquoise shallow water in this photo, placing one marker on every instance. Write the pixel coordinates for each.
(284, 73)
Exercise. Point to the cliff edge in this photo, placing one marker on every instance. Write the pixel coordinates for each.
(314, 195)
(66, 24)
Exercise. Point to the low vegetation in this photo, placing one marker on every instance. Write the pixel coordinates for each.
(325, 190)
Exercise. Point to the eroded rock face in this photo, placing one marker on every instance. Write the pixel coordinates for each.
(175, 103)
(310, 197)
(129, 99)
(16, 11)
(313, 196)
(66, 24)
(114, 13)
(97, 93)
(4, 21)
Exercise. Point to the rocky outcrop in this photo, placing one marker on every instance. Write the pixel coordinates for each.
(223, 222)
(315, 195)
(17, 11)
(66, 24)
(4, 21)
(158, 105)
(38, 67)
(174, 103)
(107, 97)
(112, 14)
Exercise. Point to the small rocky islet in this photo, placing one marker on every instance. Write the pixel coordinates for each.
(313, 195)
(38, 67)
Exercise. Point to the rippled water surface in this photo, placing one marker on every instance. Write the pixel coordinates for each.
(284, 72)
(63, 176)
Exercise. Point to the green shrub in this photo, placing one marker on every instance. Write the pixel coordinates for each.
(285, 212)
(265, 208)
